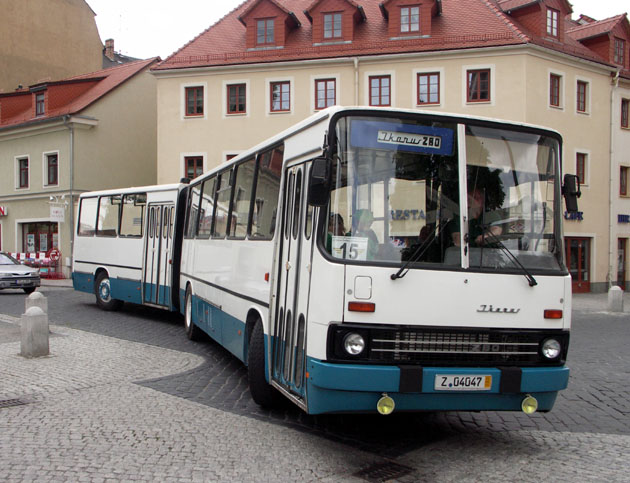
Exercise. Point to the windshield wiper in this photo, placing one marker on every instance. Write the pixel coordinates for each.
(418, 252)
(494, 239)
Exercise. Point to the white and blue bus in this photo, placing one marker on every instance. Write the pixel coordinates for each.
(369, 259)
(126, 246)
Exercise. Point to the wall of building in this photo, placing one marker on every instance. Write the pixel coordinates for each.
(121, 150)
(46, 39)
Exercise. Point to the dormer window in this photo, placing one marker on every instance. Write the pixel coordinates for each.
(552, 22)
(332, 25)
(40, 104)
(265, 31)
(409, 20)
(619, 54)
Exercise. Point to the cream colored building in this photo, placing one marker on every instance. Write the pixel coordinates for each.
(534, 77)
(86, 137)
(46, 39)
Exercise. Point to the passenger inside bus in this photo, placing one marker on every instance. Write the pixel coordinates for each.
(361, 223)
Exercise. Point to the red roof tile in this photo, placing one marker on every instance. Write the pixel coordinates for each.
(462, 24)
(506, 5)
(72, 95)
(594, 29)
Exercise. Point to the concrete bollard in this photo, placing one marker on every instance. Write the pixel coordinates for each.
(615, 299)
(37, 299)
(34, 332)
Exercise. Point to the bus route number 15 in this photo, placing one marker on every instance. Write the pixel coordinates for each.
(349, 247)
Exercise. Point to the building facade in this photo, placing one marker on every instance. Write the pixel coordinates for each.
(59, 139)
(46, 39)
(271, 63)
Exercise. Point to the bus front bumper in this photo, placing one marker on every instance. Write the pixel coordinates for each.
(357, 388)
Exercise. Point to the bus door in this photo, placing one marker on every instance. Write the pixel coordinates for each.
(289, 341)
(157, 266)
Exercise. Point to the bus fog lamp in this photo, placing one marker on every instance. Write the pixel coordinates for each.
(551, 348)
(354, 344)
(385, 405)
(529, 405)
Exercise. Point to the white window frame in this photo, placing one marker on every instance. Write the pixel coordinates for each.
(562, 92)
(414, 83)
(589, 84)
(587, 165)
(224, 98)
(182, 161)
(318, 77)
(45, 184)
(182, 97)
(271, 80)
(16, 164)
(493, 83)
(392, 85)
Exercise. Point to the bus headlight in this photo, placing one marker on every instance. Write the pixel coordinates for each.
(551, 349)
(354, 343)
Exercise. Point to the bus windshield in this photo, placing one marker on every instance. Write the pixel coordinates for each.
(397, 196)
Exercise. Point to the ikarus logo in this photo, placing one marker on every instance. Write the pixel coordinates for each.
(497, 310)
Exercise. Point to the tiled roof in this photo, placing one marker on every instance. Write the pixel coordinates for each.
(72, 95)
(462, 24)
(506, 5)
(594, 29)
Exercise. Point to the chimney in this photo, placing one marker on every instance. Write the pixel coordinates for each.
(109, 49)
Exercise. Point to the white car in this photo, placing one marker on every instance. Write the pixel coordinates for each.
(15, 275)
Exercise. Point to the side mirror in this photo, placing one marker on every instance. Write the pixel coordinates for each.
(571, 192)
(320, 182)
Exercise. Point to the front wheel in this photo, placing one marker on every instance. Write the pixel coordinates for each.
(29, 290)
(262, 392)
(192, 331)
(103, 292)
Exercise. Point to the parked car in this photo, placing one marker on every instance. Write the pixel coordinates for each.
(15, 275)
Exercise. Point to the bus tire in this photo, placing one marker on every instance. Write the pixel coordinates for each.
(192, 331)
(262, 392)
(103, 292)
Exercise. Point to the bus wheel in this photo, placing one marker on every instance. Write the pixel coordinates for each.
(262, 392)
(103, 292)
(192, 331)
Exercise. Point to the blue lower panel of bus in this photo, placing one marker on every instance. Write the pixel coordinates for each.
(222, 327)
(343, 388)
(122, 289)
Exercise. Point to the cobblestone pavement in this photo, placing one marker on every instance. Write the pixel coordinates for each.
(128, 397)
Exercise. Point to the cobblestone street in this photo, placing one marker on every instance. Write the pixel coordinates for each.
(125, 396)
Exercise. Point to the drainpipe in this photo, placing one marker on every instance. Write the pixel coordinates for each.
(356, 81)
(612, 259)
(66, 122)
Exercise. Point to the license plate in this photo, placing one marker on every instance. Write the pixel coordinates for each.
(461, 382)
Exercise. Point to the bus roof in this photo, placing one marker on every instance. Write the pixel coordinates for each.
(135, 189)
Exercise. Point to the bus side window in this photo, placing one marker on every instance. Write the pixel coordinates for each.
(266, 191)
(207, 209)
(87, 216)
(243, 187)
(108, 216)
(193, 211)
(132, 215)
(221, 213)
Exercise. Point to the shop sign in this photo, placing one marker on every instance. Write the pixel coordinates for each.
(577, 216)
(4, 211)
(57, 213)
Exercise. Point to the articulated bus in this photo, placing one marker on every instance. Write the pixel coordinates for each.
(372, 260)
(125, 246)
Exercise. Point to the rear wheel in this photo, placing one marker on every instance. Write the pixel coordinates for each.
(262, 392)
(103, 292)
(192, 331)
